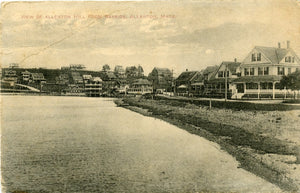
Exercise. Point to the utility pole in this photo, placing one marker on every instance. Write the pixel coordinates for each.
(172, 83)
(226, 82)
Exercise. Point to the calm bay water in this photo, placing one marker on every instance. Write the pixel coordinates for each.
(74, 144)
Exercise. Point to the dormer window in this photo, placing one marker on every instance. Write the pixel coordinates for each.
(289, 59)
(256, 57)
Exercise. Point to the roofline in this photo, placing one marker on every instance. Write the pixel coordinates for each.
(255, 47)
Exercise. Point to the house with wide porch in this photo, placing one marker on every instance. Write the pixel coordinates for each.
(216, 85)
(92, 85)
(140, 87)
(187, 83)
(262, 70)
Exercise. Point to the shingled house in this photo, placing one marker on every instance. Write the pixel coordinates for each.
(262, 70)
(161, 79)
(227, 71)
(183, 84)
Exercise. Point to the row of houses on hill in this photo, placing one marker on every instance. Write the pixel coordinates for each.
(256, 76)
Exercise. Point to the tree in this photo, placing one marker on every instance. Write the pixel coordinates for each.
(291, 81)
(105, 68)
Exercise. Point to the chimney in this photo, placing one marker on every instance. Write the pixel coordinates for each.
(186, 70)
(235, 60)
(288, 44)
(278, 44)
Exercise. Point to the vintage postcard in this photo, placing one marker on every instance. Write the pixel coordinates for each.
(150, 96)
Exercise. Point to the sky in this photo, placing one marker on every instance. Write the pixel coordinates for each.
(178, 35)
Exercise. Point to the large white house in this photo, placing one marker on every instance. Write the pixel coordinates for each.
(262, 70)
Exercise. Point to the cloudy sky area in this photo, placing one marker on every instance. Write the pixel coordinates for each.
(202, 33)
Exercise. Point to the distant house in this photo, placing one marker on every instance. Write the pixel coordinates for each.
(25, 76)
(197, 87)
(122, 86)
(140, 86)
(86, 78)
(134, 72)
(161, 79)
(76, 78)
(215, 86)
(62, 79)
(262, 70)
(109, 81)
(10, 76)
(92, 86)
(37, 78)
(119, 72)
(183, 84)
(209, 71)
(76, 67)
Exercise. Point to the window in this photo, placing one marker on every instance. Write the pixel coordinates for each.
(289, 59)
(259, 57)
(266, 70)
(260, 71)
(256, 57)
(280, 71)
(253, 58)
(251, 71)
(246, 72)
(220, 74)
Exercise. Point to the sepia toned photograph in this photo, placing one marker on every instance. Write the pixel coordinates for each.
(196, 96)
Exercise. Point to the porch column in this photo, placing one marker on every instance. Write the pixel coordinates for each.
(258, 93)
(273, 90)
(245, 89)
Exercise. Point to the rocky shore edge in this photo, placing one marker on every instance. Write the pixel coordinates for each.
(246, 155)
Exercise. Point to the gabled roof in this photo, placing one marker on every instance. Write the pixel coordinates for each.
(275, 55)
(232, 66)
(162, 71)
(199, 78)
(141, 82)
(26, 72)
(187, 76)
(37, 76)
(210, 69)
